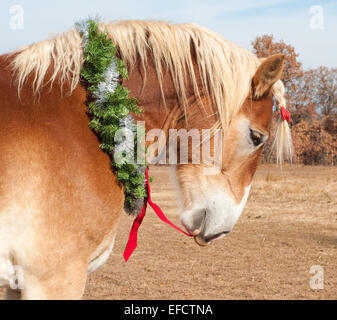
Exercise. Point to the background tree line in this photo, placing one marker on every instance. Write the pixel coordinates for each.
(312, 100)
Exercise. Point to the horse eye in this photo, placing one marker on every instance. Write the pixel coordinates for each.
(256, 137)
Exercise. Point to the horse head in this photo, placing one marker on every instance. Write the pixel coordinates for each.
(213, 198)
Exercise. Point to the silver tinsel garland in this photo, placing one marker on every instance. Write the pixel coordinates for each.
(111, 77)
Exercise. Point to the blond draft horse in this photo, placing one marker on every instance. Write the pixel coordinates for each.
(60, 202)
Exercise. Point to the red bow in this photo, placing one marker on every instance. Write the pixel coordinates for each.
(285, 114)
(132, 242)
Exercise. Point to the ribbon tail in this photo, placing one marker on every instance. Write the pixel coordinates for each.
(132, 242)
(163, 218)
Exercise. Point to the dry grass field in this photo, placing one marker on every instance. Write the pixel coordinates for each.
(288, 225)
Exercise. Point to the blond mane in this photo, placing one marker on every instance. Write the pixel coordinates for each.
(225, 69)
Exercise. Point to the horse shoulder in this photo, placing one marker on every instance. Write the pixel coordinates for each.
(59, 199)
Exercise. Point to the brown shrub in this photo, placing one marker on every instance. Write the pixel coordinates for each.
(314, 144)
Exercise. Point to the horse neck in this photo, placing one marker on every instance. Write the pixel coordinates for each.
(198, 113)
(158, 111)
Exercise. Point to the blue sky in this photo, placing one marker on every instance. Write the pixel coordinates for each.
(239, 21)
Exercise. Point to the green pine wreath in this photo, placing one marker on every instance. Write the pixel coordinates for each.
(109, 107)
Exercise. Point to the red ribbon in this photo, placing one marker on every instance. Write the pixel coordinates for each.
(285, 114)
(132, 242)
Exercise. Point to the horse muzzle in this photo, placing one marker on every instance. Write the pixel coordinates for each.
(196, 225)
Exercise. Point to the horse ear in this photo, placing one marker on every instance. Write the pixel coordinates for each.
(267, 74)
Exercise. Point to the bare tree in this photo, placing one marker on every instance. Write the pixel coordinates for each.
(323, 84)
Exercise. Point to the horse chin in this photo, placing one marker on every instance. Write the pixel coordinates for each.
(203, 242)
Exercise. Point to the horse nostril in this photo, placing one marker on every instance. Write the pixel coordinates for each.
(226, 232)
